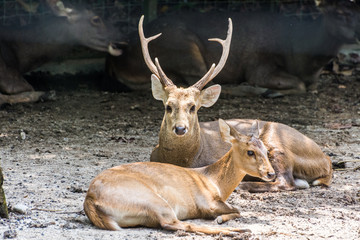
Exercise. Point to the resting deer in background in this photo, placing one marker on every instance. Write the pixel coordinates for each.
(26, 48)
(160, 195)
(184, 141)
(271, 54)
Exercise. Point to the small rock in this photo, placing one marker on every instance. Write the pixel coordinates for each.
(10, 234)
(23, 135)
(70, 225)
(37, 224)
(356, 122)
(181, 233)
(82, 219)
(135, 107)
(20, 208)
(75, 189)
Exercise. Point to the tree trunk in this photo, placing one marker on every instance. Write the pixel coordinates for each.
(3, 205)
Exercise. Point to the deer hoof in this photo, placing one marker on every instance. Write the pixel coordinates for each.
(219, 220)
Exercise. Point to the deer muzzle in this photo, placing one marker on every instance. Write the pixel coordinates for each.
(180, 130)
(267, 173)
(270, 176)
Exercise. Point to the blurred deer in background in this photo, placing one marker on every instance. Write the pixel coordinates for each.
(272, 54)
(23, 49)
(161, 195)
(185, 142)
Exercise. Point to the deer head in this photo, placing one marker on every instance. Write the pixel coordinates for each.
(86, 27)
(344, 14)
(182, 104)
(249, 152)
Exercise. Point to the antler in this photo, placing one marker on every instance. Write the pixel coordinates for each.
(155, 69)
(58, 8)
(29, 7)
(211, 74)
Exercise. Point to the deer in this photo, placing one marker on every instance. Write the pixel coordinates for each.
(26, 48)
(272, 55)
(155, 194)
(184, 141)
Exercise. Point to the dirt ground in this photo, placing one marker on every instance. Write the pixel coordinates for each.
(50, 151)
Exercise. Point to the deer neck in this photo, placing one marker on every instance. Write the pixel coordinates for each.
(225, 173)
(177, 150)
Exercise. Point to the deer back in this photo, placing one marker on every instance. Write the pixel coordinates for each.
(262, 41)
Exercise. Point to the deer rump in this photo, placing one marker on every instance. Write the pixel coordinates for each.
(268, 50)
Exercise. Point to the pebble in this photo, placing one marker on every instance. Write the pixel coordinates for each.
(356, 121)
(70, 226)
(82, 219)
(20, 208)
(23, 135)
(10, 234)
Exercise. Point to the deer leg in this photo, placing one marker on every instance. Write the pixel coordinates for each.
(11, 81)
(26, 97)
(276, 85)
(227, 217)
(243, 90)
(323, 181)
(277, 81)
(190, 227)
(282, 83)
(225, 212)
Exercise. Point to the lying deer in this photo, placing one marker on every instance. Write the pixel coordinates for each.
(26, 48)
(161, 195)
(271, 54)
(185, 142)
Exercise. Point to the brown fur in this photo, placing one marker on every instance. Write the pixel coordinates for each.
(160, 195)
(293, 155)
(184, 141)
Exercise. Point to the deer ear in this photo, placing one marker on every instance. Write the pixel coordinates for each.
(225, 131)
(255, 129)
(157, 88)
(210, 95)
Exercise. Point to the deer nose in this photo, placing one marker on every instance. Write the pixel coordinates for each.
(180, 130)
(271, 175)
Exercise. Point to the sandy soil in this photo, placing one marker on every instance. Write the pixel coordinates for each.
(50, 151)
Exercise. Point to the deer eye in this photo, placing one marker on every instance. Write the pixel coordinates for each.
(96, 20)
(168, 109)
(192, 109)
(250, 153)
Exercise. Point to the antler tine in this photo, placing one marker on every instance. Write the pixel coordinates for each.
(199, 84)
(225, 53)
(163, 78)
(155, 69)
(144, 47)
